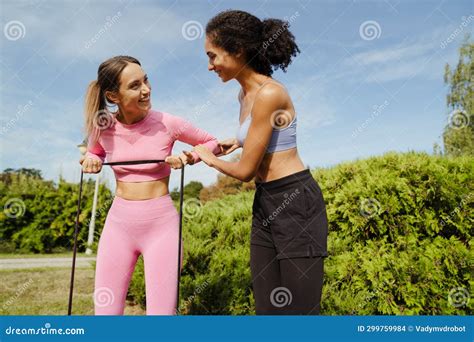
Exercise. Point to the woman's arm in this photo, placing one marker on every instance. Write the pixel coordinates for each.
(270, 99)
(95, 151)
(186, 132)
(92, 161)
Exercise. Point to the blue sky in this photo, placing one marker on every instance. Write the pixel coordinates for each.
(369, 78)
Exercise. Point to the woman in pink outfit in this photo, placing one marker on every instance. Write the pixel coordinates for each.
(142, 219)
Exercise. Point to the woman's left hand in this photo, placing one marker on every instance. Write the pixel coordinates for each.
(206, 156)
(177, 162)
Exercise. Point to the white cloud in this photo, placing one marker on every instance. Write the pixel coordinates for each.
(97, 30)
(391, 54)
(420, 56)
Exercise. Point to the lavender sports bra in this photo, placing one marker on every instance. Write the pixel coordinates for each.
(282, 138)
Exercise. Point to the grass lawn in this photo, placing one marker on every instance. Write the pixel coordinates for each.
(45, 291)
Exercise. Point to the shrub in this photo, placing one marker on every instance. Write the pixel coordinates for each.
(399, 242)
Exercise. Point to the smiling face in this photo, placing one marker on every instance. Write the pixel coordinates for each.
(134, 94)
(226, 66)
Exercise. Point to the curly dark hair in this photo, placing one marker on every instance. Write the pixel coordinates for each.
(267, 45)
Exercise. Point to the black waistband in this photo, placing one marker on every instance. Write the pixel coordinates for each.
(300, 176)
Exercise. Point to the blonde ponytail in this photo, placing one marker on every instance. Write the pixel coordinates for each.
(92, 106)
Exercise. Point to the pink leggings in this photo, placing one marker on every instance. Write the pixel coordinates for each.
(150, 228)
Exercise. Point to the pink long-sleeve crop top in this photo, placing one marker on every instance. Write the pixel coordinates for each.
(152, 137)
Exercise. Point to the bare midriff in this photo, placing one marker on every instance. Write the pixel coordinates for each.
(278, 165)
(139, 191)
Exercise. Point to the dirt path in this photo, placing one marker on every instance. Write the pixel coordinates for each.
(84, 262)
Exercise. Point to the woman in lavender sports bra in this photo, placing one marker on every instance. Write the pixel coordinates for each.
(289, 223)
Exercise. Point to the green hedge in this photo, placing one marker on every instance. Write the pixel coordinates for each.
(399, 241)
(39, 216)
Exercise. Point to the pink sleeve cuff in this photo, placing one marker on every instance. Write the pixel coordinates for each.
(212, 145)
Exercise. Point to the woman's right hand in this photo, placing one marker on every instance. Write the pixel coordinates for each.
(228, 145)
(90, 165)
